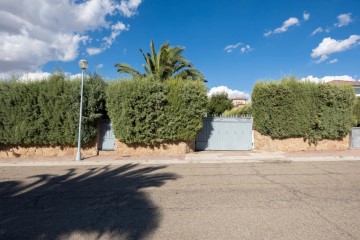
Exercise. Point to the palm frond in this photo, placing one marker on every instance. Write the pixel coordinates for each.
(125, 68)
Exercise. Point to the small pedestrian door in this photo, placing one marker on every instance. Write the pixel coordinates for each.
(107, 137)
(225, 133)
(355, 137)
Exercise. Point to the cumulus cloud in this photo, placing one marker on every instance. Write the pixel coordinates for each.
(230, 48)
(231, 93)
(343, 20)
(329, 46)
(45, 30)
(306, 16)
(285, 26)
(328, 78)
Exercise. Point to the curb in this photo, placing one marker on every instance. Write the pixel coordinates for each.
(202, 160)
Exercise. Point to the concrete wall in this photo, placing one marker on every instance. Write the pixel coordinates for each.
(265, 143)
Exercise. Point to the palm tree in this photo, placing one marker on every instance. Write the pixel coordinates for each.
(168, 63)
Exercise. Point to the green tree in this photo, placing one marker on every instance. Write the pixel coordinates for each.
(168, 63)
(219, 103)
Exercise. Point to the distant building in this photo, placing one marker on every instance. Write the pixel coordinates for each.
(239, 102)
(354, 84)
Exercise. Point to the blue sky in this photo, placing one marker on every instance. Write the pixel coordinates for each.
(234, 43)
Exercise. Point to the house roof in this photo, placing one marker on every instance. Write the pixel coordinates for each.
(352, 83)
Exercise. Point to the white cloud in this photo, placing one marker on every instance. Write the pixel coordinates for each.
(116, 29)
(230, 48)
(343, 20)
(318, 30)
(329, 46)
(306, 16)
(46, 30)
(76, 76)
(35, 76)
(328, 78)
(246, 49)
(231, 93)
(99, 66)
(333, 61)
(129, 7)
(94, 51)
(285, 26)
(323, 58)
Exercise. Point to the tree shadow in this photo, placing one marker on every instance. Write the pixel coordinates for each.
(101, 202)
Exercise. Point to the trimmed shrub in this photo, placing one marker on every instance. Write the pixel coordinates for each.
(185, 110)
(47, 112)
(241, 111)
(149, 112)
(137, 110)
(291, 108)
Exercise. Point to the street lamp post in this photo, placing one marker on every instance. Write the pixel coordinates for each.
(83, 64)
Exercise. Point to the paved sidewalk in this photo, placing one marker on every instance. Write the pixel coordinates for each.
(196, 157)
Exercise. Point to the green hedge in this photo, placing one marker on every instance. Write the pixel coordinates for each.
(291, 108)
(47, 112)
(357, 112)
(149, 112)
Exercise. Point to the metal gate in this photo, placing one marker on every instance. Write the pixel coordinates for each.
(355, 137)
(107, 137)
(225, 133)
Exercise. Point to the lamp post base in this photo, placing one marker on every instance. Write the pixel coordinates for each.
(78, 156)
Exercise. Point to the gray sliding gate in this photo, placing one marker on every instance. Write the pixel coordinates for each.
(225, 133)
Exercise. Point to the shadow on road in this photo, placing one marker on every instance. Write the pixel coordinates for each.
(101, 202)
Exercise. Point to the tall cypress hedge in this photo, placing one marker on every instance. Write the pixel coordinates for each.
(47, 112)
(291, 108)
(357, 112)
(144, 111)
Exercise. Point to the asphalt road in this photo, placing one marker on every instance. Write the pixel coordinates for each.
(274, 200)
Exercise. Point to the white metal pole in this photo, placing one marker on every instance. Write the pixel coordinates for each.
(78, 154)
